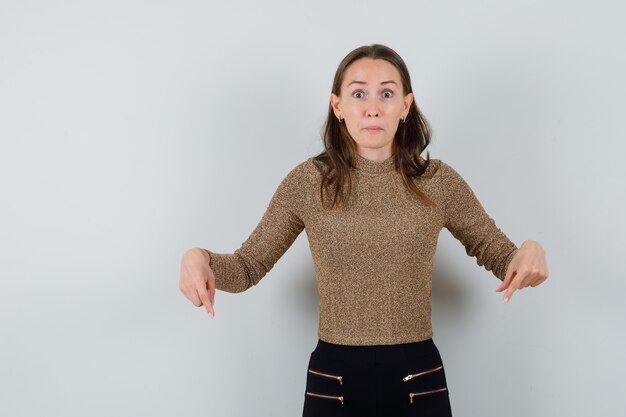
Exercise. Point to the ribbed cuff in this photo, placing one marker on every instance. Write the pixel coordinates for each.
(225, 270)
(507, 262)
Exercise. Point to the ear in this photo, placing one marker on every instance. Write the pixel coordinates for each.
(334, 102)
(408, 100)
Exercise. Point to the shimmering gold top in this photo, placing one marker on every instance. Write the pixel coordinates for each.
(373, 259)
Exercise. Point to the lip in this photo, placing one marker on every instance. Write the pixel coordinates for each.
(373, 128)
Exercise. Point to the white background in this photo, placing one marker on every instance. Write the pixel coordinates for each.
(133, 130)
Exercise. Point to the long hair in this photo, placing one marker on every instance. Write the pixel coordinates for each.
(411, 138)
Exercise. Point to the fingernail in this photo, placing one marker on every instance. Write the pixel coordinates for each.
(506, 299)
(211, 314)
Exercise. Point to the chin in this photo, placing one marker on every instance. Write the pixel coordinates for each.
(374, 143)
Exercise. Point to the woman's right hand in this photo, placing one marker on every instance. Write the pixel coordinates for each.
(197, 281)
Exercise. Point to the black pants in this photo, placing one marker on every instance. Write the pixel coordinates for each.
(399, 380)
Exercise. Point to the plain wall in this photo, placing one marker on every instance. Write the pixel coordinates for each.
(132, 131)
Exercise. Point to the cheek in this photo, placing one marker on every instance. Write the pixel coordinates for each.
(396, 108)
(352, 128)
(393, 131)
(353, 109)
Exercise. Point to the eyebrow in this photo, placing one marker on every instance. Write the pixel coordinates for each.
(363, 82)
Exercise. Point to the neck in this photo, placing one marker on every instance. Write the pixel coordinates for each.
(375, 154)
(374, 167)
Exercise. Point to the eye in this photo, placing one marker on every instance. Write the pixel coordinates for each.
(357, 94)
(387, 94)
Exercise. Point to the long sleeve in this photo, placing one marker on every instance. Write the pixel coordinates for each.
(274, 234)
(469, 223)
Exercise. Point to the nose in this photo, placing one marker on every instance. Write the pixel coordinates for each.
(372, 109)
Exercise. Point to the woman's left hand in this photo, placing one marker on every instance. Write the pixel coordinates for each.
(527, 268)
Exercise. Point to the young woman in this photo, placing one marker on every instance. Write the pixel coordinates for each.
(372, 208)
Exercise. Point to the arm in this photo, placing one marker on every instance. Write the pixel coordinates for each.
(274, 234)
(468, 222)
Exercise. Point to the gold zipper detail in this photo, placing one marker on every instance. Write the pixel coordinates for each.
(340, 398)
(411, 376)
(337, 377)
(415, 394)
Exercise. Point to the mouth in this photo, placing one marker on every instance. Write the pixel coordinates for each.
(373, 128)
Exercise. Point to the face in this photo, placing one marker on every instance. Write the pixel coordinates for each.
(371, 102)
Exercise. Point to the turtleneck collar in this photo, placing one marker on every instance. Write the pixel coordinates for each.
(375, 167)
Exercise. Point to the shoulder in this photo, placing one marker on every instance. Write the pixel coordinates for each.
(300, 174)
(305, 168)
(441, 168)
(310, 170)
(444, 174)
(433, 169)
(453, 181)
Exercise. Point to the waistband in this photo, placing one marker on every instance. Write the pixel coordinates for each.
(376, 352)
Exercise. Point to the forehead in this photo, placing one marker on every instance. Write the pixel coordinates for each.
(371, 71)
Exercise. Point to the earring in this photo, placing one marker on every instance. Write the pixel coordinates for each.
(340, 119)
(403, 119)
